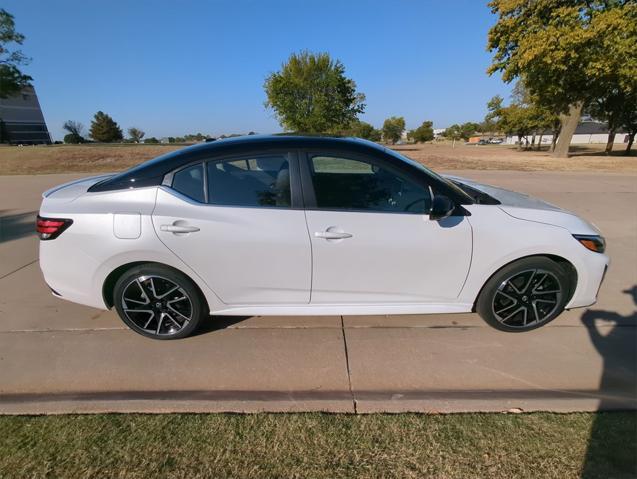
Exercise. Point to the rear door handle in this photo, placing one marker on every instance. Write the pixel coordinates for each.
(332, 235)
(178, 228)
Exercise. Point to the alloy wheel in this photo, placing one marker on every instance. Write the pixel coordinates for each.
(527, 298)
(156, 305)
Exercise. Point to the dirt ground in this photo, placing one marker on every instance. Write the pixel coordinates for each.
(105, 158)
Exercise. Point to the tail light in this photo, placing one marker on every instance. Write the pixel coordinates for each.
(51, 228)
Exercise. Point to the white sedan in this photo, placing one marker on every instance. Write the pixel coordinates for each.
(291, 225)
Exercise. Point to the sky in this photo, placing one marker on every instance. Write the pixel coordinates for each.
(178, 67)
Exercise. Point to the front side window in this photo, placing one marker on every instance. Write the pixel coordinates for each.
(189, 182)
(352, 184)
(254, 182)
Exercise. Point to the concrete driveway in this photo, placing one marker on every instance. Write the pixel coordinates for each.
(61, 357)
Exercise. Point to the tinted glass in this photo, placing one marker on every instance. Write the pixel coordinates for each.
(189, 182)
(261, 181)
(342, 183)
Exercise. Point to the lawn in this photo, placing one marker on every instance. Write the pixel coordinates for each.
(314, 445)
(98, 158)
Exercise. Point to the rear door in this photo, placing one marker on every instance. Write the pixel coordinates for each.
(372, 239)
(235, 222)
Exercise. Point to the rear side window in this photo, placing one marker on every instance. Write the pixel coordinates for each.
(353, 184)
(189, 182)
(254, 182)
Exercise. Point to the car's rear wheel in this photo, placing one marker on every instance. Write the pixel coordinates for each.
(524, 295)
(159, 302)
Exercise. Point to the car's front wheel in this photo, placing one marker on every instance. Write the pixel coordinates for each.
(524, 295)
(159, 302)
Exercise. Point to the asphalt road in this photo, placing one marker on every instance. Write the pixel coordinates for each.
(60, 357)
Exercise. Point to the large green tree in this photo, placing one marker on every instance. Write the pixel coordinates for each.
(362, 129)
(12, 80)
(424, 132)
(393, 128)
(566, 51)
(105, 129)
(312, 94)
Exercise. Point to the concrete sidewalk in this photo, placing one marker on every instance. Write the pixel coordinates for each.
(56, 356)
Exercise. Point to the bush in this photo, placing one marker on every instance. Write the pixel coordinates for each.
(73, 139)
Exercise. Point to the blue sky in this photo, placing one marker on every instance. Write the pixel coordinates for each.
(177, 67)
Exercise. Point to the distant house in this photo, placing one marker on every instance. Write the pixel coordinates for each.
(21, 119)
(587, 132)
(438, 132)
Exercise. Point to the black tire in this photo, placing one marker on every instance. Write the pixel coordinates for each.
(159, 302)
(520, 296)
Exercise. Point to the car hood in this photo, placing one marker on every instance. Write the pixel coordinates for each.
(529, 208)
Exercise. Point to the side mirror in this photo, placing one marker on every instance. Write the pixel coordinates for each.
(441, 208)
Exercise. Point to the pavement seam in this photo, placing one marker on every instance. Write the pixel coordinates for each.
(20, 268)
(349, 373)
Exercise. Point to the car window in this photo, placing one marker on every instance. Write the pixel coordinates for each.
(353, 184)
(189, 182)
(261, 181)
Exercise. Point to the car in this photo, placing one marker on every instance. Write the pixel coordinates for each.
(310, 225)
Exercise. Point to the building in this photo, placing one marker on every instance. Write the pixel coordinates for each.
(587, 132)
(21, 119)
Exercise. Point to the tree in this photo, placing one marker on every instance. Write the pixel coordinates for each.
(136, 134)
(464, 131)
(76, 130)
(152, 140)
(105, 129)
(393, 129)
(12, 80)
(312, 94)
(565, 52)
(364, 130)
(423, 133)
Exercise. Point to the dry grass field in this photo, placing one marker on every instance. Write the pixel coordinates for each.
(30, 160)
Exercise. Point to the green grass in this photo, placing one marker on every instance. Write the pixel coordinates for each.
(320, 445)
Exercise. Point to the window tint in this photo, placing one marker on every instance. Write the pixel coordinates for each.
(189, 182)
(261, 181)
(342, 183)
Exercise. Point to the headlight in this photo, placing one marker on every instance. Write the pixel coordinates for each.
(593, 243)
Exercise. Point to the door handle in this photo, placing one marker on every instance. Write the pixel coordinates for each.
(332, 235)
(178, 228)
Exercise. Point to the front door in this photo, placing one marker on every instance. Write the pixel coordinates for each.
(372, 241)
(240, 234)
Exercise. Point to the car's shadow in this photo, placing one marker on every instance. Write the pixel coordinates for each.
(217, 323)
(16, 226)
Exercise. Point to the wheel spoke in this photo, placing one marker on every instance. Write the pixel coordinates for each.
(175, 288)
(505, 319)
(180, 314)
(152, 316)
(528, 283)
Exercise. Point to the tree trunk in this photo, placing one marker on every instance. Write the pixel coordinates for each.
(609, 143)
(519, 142)
(533, 141)
(569, 124)
(631, 139)
(539, 142)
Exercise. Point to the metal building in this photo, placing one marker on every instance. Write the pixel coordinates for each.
(21, 119)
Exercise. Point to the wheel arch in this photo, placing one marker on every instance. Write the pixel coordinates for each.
(568, 268)
(109, 283)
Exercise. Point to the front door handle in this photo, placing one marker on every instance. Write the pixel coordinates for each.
(332, 234)
(178, 228)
